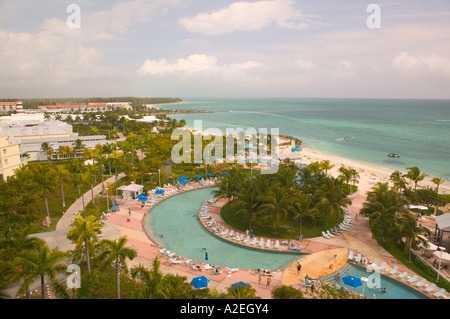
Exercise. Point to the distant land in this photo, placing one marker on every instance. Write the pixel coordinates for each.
(135, 101)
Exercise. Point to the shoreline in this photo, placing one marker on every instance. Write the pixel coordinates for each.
(370, 174)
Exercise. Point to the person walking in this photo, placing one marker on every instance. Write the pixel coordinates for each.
(268, 283)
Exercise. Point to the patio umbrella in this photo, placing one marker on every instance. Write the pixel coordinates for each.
(445, 256)
(352, 281)
(210, 174)
(184, 182)
(200, 282)
(241, 283)
(225, 173)
(182, 177)
(159, 191)
(142, 198)
(198, 176)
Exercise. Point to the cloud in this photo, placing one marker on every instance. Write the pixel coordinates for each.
(248, 16)
(422, 65)
(195, 63)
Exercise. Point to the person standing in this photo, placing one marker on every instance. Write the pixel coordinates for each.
(268, 283)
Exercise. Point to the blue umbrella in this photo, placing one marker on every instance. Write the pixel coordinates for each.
(200, 282)
(159, 191)
(184, 182)
(182, 177)
(225, 173)
(241, 283)
(352, 281)
(142, 198)
(198, 176)
(210, 174)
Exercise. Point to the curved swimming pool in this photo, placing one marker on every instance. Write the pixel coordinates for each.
(176, 218)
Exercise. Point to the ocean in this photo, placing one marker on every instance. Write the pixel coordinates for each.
(418, 130)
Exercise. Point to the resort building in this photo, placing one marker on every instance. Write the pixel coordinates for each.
(13, 107)
(29, 131)
(9, 156)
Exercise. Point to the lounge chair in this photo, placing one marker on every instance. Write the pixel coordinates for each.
(329, 234)
(402, 275)
(277, 244)
(325, 235)
(383, 266)
(358, 258)
(230, 270)
(440, 293)
(430, 288)
(350, 255)
(421, 282)
(175, 261)
(261, 242)
(268, 243)
(254, 241)
(343, 227)
(240, 237)
(246, 239)
(231, 233)
(225, 232)
(412, 279)
(393, 270)
(374, 263)
(295, 248)
(163, 251)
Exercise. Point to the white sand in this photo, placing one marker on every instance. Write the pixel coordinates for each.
(369, 174)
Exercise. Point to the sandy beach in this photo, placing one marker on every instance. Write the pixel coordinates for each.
(369, 174)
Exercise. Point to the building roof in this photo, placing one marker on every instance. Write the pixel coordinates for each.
(443, 222)
(132, 187)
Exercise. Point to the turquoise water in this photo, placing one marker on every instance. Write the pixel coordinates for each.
(177, 219)
(394, 289)
(418, 130)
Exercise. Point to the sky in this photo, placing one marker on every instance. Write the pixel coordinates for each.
(211, 48)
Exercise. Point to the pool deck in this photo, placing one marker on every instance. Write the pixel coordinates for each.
(321, 251)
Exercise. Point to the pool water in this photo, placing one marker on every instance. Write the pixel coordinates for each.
(176, 218)
(394, 289)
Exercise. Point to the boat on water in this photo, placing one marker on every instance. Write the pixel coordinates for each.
(345, 138)
(393, 155)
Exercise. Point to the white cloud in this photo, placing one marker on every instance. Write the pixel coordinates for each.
(422, 65)
(193, 64)
(247, 16)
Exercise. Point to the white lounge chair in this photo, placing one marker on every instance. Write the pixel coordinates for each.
(358, 258)
(383, 266)
(175, 261)
(440, 293)
(402, 275)
(240, 237)
(325, 235)
(430, 288)
(374, 263)
(412, 279)
(231, 233)
(329, 234)
(277, 244)
(261, 242)
(393, 270)
(350, 255)
(230, 270)
(246, 239)
(268, 243)
(421, 282)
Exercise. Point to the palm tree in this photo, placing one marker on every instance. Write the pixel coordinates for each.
(398, 180)
(83, 230)
(410, 230)
(248, 203)
(241, 292)
(346, 175)
(88, 284)
(66, 151)
(151, 280)
(300, 207)
(115, 252)
(276, 202)
(225, 189)
(333, 198)
(46, 182)
(326, 166)
(384, 207)
(438, 181)
(40, 262)
(62, 175)
(415, 175)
